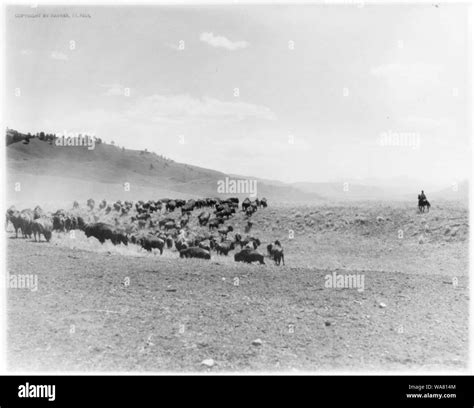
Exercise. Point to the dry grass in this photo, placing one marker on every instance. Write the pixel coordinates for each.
(140, 326)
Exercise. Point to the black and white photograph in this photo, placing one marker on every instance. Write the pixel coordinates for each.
(237, 188)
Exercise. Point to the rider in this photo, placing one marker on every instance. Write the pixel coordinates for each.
(423, 196)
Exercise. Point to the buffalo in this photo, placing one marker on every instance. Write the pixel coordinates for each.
(163, 222)
(170, 206)
(249, 242)
(26, 220)
(246, 204)
(59, 220)
(181, 244)
(214, 223)
(188, 207)
(42, 225)
(203, 218)
(194, 252)
(103, 231)
(149, 242)
(90, 204)
(249, 256)
(14, 217)
(170, 225)
(183, 222)
(225, 247)
(224, 231)
(37, 212)
(275, 251)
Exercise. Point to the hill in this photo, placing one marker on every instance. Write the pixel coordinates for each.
(67, 172)
(54, 173)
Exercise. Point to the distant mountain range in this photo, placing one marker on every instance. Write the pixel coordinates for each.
(107, 167)
(384, 190)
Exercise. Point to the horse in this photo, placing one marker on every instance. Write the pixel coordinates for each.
(422, 203)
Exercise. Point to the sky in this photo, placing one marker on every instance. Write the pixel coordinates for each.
(291, 93)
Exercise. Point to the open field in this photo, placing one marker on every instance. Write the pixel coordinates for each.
(239, 189)
(105, 308)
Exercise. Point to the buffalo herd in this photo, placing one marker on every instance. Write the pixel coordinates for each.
(156, 224)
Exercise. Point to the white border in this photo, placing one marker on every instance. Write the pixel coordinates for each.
(3, 101)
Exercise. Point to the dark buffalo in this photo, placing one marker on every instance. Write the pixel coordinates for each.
(188, 207)
(224, 231)
(245, 204)
(194, 252)
(149, 242)
(59, 221)
(223, 248)
(72, 222)
(170, 206)
(206, 244)
(249, 256)
(170, 225)
(250, 242)
(183, 222)
(26, 217)
(181, 244)
(180, 203)
(14, 217)
(275, 251)
(214, 223)
(169, 242)
(226, 212)
(42, 225)
(163, 222)
(203, 218)
(103, 231)
(251, 209)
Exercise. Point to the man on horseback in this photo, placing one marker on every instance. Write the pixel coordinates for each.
(423, 202)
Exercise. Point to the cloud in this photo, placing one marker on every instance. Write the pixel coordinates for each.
(59, 56)
(222, 42)
(184, 108)
(175, 47)
(114, 89)
(26, 52)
